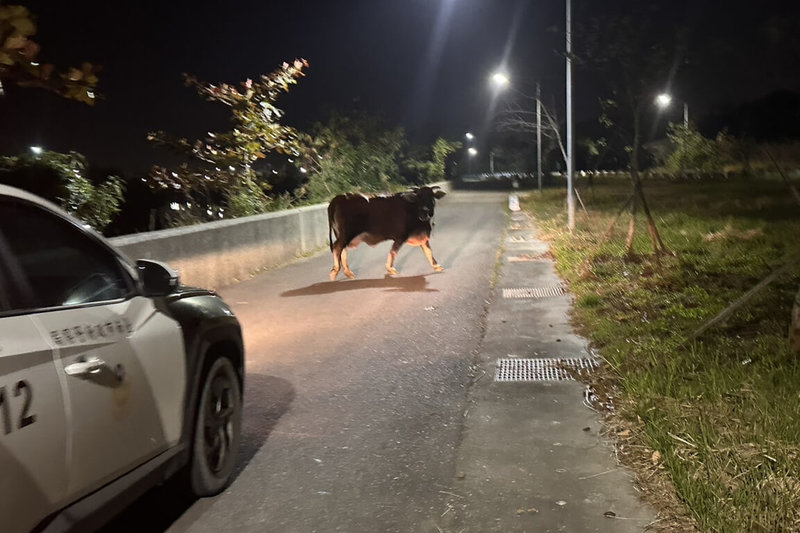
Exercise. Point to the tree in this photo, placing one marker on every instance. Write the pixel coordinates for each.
(519, 115)
(693, 152)
(428, 164)
(636, 57)
(354, 153)
(61, 178)
(19, 64)
(442, 150)
(218, 179)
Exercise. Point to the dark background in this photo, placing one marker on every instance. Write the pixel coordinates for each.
(422, 64)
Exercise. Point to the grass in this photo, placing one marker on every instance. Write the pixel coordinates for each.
(713, 425)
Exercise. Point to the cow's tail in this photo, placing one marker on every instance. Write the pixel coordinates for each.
(331, 211)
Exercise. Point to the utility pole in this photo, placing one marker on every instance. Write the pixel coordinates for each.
(539, 135)
(570, 140)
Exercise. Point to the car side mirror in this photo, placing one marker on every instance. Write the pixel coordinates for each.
(158, 279)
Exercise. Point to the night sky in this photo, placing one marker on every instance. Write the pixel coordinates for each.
(421, 64)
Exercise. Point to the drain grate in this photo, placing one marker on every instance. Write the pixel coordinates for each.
(524, 370)
(534, 292)
(518, 238)
(527, 257)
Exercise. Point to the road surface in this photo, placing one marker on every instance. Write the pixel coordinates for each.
(355, 390)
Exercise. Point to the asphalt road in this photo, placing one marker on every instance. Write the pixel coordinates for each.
(355, 390)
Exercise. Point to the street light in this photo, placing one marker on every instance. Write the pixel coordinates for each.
(469, 136)
(471, 152)
(663, 101)
(501, 81)
(37, 150)
(570, 136)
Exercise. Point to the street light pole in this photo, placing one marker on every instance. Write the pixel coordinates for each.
(570, 140)
(686, 116)
(501, 81)
(470, 150)
(539, 135)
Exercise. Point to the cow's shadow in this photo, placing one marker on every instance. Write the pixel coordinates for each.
(388, 283)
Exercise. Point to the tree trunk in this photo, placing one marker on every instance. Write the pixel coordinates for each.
(655, 237)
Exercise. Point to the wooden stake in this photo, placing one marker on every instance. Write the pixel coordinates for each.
(622, 209)
(721, 317)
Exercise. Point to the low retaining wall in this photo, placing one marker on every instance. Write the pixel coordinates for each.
(216, 254)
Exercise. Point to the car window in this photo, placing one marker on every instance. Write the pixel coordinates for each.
(61, 265)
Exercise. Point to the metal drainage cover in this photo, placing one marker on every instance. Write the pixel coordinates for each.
(534, 292)
(524, 370)
(528, 257)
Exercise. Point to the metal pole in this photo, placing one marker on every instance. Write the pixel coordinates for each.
(491, 162)
(686, 116)
(570, 140)
(539, 135)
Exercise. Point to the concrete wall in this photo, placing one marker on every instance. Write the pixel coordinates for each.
(216, 254)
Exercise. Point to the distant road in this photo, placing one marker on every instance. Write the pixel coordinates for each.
(355, 389)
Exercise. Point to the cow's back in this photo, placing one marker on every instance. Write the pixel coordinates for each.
(348, 211)
(375, 218)
(390, 217)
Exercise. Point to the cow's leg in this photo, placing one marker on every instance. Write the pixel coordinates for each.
(347, 271)
(426, 247)
(338, 248)
(392, 255)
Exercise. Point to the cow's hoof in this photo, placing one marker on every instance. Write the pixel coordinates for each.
(392, 271)
(350, 275)
(334, 273)
(438, 268)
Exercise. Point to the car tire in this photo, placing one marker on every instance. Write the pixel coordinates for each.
(217, 429)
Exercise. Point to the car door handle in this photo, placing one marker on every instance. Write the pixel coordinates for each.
(97, 370)
(84, 367)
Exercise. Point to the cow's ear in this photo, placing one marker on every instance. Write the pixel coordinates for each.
(439, 194)
(409, 196)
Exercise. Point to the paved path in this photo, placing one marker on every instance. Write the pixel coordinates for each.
(532, 456)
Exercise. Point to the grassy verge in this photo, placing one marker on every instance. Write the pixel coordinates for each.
(716, 421)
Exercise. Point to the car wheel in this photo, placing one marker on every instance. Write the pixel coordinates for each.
(217, 429)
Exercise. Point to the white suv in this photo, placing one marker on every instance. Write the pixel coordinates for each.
(113, 377)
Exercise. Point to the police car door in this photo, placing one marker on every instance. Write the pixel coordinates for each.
(89, 312)
(33, 435)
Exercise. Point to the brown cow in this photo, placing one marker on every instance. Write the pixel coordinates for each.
(403, 218)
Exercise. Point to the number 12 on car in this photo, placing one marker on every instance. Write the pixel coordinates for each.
(23, 390)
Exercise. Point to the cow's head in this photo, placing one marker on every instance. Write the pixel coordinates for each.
(425, 199)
